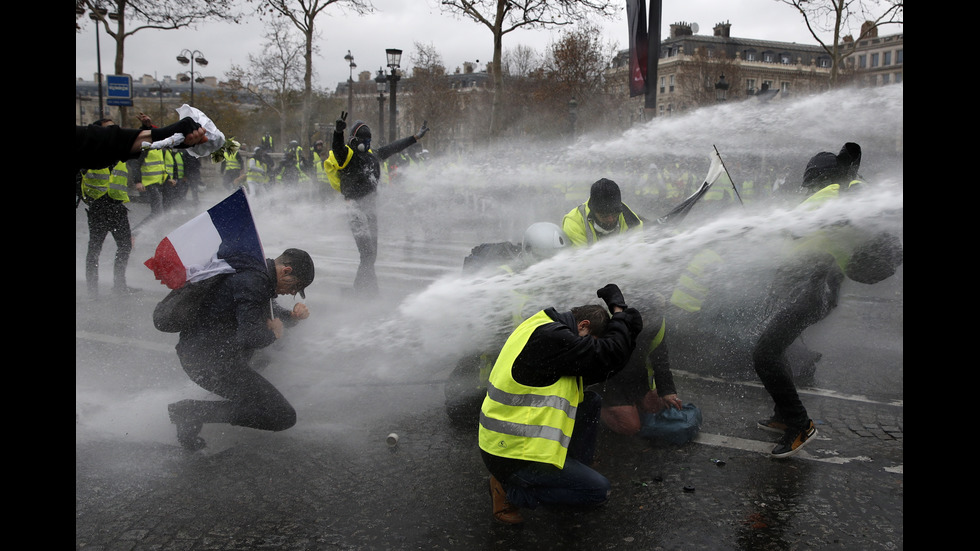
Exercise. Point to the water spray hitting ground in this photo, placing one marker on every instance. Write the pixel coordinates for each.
(439, 210)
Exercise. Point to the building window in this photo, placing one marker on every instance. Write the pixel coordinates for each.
(784, 59)
(898, 78)
(661, 110)
(886, 78)
(663, 83)
(874, 60)
(823, 62)
(750, 55)
(862, 61)
(784, 87)
(886, 59)
(671, 83)
(750, 86)
(899, 57)
(768, 57)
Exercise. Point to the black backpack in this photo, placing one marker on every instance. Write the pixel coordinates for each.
(490, 255)
(179, 310)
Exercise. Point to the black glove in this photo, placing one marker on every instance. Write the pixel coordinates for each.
(634, 321)
(612, 296)
(422, 131)
(184, 126)
(341, 123)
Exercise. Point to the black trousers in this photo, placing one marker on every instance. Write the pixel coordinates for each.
(801, 295)
(250, 400)
(105, 216)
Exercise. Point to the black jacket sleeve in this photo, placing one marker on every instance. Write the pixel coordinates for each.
(388, 150)
(103, 146)
(556, 350)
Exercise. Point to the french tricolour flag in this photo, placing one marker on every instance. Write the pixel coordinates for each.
(200, 248)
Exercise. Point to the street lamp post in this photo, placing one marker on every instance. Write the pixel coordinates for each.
(394, 61)
(160, 89)
(186, 56)
(572, 113)
(96, 15)
(350, 82)
(381, 82)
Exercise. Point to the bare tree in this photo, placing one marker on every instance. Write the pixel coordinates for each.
(573, 71)
(302, 14)
(151, 14)
(520, 61)
(839, 16)
(504, 16)
(275, 77)
(432, 99)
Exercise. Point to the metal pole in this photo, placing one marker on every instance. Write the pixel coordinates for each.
(392, 108)
(381, 115)
(98, 54)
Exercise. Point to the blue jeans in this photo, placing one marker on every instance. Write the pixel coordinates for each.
(576, 484)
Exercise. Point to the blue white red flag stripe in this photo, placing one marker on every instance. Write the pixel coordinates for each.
(197, 250)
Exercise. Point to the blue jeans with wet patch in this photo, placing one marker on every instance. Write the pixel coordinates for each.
(576, 484)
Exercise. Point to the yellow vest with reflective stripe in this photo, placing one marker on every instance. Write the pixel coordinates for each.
(174, 163)
(96, 183)
(321, 174)
(258, 173)
(581, 231)
(691, 289)
(153, 170)
(232, 162)
(838, 241)
(528, 422)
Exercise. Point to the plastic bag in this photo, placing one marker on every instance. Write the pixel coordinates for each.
(672, 426)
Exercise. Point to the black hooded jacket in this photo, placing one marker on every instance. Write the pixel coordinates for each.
(361, 174)
(232, 320)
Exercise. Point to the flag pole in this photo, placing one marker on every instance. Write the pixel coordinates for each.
(725, 168)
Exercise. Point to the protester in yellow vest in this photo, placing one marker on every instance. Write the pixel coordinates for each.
(322, 190)
(602, 215)
(231, 169)
(806, 289)
(105, 192)
(538, 423)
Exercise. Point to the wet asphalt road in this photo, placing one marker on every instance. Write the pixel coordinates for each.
(331, 482)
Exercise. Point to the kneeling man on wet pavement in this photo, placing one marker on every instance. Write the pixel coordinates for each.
(538, 424)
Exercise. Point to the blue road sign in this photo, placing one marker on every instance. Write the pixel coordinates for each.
(120, 90)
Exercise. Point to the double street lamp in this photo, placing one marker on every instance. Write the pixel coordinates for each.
(187, 56)
(394, 62)
(381, 81)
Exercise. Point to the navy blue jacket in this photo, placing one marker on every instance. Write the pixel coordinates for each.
(232, 320)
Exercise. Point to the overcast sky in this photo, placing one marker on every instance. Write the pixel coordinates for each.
(402, 24)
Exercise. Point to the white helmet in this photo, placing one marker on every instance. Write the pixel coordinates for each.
(543, 240)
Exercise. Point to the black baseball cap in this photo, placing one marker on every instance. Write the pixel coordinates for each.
(302, 265)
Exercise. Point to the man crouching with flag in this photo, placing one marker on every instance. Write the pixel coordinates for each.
(238, 316)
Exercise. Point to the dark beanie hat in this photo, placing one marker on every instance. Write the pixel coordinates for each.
(360, 130)
(605, 198)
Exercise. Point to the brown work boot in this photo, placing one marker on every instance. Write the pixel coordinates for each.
(503, 511)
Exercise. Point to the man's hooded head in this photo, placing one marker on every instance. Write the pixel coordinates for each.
(825, 168)
(360, 136)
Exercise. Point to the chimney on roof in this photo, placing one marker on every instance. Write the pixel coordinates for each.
(680, 29)
(869, 30)
(723, 30)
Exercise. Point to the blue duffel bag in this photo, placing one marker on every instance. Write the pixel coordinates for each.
(672, 426)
